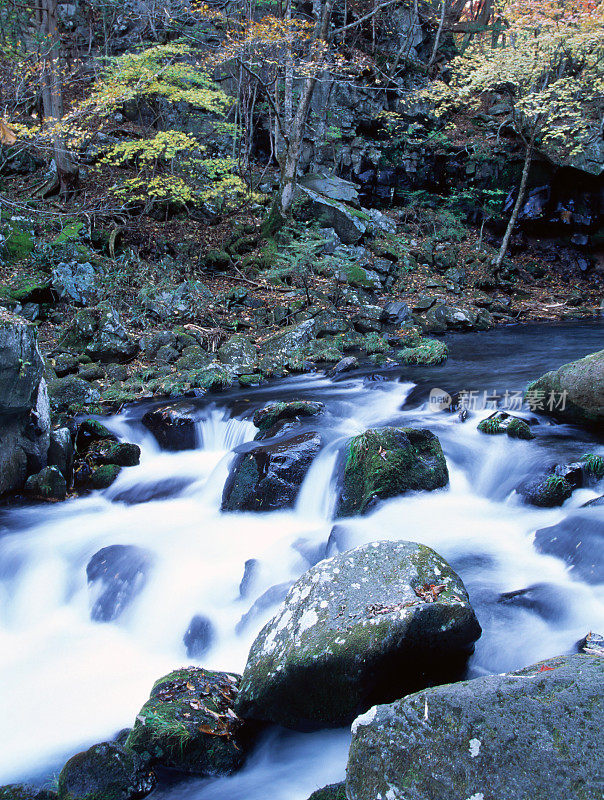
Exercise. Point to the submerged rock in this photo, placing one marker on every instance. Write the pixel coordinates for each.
(116, 575)
(268, 475)
(386, 462)
(535, 733)
(363, 627)
(198, 637)
(574, 392)
(189, 724)
(173, 426)
(291, 410)
(578, 540)
(106, 771)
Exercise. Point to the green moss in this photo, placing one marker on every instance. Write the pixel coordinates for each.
(249, 380)
(70, 232)
(594, 465)
(519, 429)
(491, 425)
(428, 353)
(18, 244)
(387, 462)
(104, 476)
(292, 409)
(373, 343)
(335, 791)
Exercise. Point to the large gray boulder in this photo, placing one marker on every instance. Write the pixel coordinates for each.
(24, 406)
(349, 223)
(535, 733)
(572, 393)
(362, 627)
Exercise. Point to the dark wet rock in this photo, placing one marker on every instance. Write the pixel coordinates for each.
(19, 791)
(311, 551)
(24, 404)
(116, 575)
(106, 771)
(102, 477)
(335, 791)
(362, 627)
(189, 724)
(65, 364)
(592, 644)
(72, 391)
(344, 365)
(107, 451)
(597, 501)
(48, 484)
(199, 636)
(173, 426)
(396, 312)
(543, 599)
(533, 733)
(500, 422)
(89, 431)
(60, 452)
(578, 540)
(386, 462)
(574, 392)
(271, 597)
(268, 476)
(291, 410)
(546, 491)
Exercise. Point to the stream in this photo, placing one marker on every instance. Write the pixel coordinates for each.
(67, 682)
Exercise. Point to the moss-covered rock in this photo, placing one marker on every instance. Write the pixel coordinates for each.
(106, 771)
(573, 393)
(291, 410)
(189, 723)
(362, 627)
(535, 733)
(546, 492)
(427, 353)
(71, 391)
(238, 354)
(214, 378)
(386, 462)
(250, 380)
(19, 791)
(48, 484)
(500, 422)
(335, 791)
(102, 477)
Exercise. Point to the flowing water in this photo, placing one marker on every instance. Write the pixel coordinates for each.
(67, 682)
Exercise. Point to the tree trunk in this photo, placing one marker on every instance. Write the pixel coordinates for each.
(441, 23)
(52, 95)
(289, 171)
(517, 206)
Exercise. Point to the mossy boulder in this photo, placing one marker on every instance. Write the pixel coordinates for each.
(362, 627)
(268, 476)
(19, 791)
(500, 422)
(18, 240)
(335, 791)
(189, 723)
(238, 354)
(535, 733)
(572, 393)
(48, 484)
(214, 378)
(100, 334)
(72, 391)
(102, 477)
(278, 348)
(386, 462)
(106, 771)
(270, 415)
(427, 353)
(545, 492)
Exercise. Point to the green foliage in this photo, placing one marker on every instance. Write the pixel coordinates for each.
(594, 464)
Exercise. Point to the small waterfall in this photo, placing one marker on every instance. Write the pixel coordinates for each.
(219, 431)
(317, 496)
